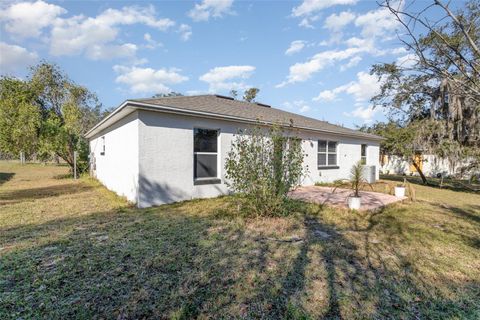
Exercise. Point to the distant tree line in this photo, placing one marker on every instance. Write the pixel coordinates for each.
(249, 95)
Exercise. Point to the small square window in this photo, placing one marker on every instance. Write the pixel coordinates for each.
(327, 153)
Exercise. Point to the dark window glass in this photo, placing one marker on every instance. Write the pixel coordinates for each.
(332, 146)
(364, 150)
(363, 156)
(205, 165)
(322, 159)
(322, 146)
(103, 147)
(332, 159)
(205, 140)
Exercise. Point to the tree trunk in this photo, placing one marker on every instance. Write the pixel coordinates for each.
(420, 172)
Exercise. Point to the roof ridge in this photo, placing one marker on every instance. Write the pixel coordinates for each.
(281, 115)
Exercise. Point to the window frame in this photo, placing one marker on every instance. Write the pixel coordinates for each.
(206, 180)
(327, 165)
(363, 158)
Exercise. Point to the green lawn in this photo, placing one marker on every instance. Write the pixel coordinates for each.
(72, 249)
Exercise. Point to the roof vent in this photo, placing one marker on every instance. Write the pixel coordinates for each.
(223, 97)
(263, 105)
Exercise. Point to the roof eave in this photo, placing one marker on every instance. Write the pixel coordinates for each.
(161, 108)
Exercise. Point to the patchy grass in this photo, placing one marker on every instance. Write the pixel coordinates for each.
(72, 249)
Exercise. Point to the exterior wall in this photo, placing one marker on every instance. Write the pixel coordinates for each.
(118, 168)
(348, 154)
(166, 157)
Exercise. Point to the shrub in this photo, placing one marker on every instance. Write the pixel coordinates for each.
(357, 180)
(262, 167)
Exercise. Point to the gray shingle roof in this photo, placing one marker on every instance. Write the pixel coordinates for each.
(219, 105)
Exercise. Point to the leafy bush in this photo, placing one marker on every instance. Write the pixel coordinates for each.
(262, 167)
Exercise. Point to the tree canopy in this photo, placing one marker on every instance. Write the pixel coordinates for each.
(250, 94)
(46, 114)
(434, 98)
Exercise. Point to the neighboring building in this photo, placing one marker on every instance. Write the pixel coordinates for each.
(156, 151)
(431, 165)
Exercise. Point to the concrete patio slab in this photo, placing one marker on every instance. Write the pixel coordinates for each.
(338, 198)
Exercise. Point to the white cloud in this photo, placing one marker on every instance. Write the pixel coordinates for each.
(295, 46)
(14, 57)
(365, 113)
(358, 42)
(297, 106)
(307, 21)
(378, 23)
(27, 19)
(95, 37)
(101, 52)
(308, 9)
(300, 72)
(210, 8)
(311, 6)
(336, 22)
(195, 92)
(148, 80)
(326, 95)
(227, 78)
(351, 63)
(185, 32)
(151, 43)
(363, 89)
(407, 61)
(399, 50)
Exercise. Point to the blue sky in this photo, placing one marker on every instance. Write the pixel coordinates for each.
(311, 57)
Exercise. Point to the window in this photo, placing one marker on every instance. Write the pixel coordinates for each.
(363, 156)
(205, 152)
(327, 153)
(102, 152)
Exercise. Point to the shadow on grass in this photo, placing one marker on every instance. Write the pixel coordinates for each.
(184, 263)
(448, 184)
(5, 176)
(43, 192)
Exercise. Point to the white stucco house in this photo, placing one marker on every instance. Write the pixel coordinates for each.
(157, 151)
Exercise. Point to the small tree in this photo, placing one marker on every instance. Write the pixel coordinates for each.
(166, 95)
(356, 178)
(234, 93)
(262, 167)
(250, 94)
(404, 142)
(68, 110)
